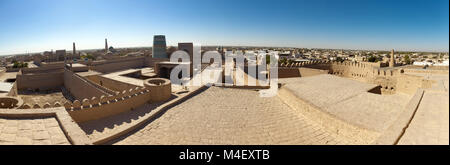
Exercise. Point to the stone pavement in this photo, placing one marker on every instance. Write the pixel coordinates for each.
(349, 100)
(430, 124)
(31, 131)
(231, 116)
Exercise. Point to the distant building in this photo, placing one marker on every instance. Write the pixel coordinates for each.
(170, 50)
(106, 45)
(159, 47)
(60, 55)
(188, 47)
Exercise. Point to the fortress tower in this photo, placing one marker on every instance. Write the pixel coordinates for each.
(392, 61)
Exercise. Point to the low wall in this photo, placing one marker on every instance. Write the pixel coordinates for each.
(2, 70)
(79, 87)
(110, 83)
(108, 66)
(97, 108)
(429, 71)
(393, 134)
(10, 69)
(43, 69)
(409, 84)
(150, 62)
(355, 134)
(44, 81)
(13, 91)
(71, 130)
(299, 72)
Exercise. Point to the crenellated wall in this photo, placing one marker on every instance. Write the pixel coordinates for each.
(390, 80)
(104, 106)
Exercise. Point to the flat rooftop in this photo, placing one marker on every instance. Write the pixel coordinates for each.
(349, 100)
(118, 76)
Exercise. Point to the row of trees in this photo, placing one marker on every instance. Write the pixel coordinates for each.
(20, 64)
(88, 56)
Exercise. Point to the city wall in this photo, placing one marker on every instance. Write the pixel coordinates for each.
(390, 80)
(104, 106)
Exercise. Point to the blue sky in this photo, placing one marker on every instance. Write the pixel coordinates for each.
(39, 25)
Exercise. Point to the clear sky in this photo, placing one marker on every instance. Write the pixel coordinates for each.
(39, 25)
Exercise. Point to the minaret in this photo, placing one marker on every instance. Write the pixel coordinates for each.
(73, 54)
(106, 45)
(391, 62)
(74, 50)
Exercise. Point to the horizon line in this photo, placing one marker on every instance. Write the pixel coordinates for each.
(421, 51)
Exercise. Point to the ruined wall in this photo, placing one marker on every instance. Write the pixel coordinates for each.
(79, 87)
(386, 79)
(110, 83)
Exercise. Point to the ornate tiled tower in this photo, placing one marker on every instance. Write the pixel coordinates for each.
(159, 47)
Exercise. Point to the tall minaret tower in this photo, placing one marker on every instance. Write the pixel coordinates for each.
(73, 54)
(74, 49)
(391, 62)
(106, 45)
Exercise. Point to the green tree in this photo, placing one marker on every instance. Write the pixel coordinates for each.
(282, 60)
(407, 59)
(339, 59)
(372, 59)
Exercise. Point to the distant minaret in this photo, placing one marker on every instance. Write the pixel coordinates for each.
(391, 62)
(106, 45)
(74, 50)
(73, 54)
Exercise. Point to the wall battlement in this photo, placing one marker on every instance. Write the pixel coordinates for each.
(97, 108)
(86, 103)
(388, 79)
